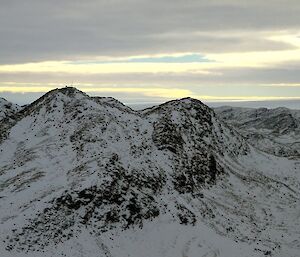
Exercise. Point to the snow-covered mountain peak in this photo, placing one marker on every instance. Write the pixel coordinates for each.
(55, 97)
(186, 103)
(71, 92)
(88, 176)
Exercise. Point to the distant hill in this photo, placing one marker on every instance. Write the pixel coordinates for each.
(276, 131)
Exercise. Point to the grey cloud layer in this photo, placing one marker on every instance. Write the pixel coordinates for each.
(36, 30)
(285, 73)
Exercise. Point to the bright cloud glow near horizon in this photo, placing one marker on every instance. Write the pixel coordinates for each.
(142, 51)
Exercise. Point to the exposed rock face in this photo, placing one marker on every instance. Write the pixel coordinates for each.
(275, 131)
(75, 166)
(8, 113)
(8, 109)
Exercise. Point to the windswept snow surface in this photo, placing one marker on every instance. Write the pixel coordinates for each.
(84, 176)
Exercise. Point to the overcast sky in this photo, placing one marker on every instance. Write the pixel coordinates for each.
(143, 51)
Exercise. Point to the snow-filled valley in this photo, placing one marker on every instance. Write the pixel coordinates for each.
(88, 176)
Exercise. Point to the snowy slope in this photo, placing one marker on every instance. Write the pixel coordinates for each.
(276, 131)
(85, 176)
